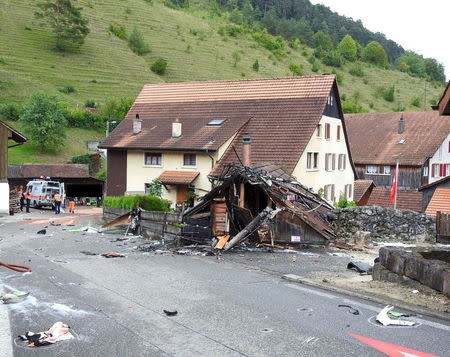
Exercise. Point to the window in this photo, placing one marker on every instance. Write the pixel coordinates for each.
(330, 100)
(328, 191)
(425, 171)
(341, 162)
(348, 191)
(327, 131)
(153, 159)
(449, 146)
(330, 162)
(319, 130)
(440, 170)
(378, 170)
(216, 122)
(338, 133)
(312, 160)
(189, 160)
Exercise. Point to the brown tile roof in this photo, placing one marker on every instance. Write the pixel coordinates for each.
(444, 102)
(439, 202)
(360, 188)
(16, 136)
(374, 137)
(411, 200)
(178, 177)
(435, 183)
(290, 107)
(51, 170)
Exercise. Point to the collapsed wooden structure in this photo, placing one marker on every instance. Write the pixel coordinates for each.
(274, 209)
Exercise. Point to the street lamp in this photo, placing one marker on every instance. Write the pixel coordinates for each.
(108, 122)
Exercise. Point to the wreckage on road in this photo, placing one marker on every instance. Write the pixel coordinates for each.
(260, 203)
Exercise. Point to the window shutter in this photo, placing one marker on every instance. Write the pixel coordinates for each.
(338, 134)
(333, 159)
(432, 170)
(449, 146)
(442, 170)
(326, 161)
(332, 192)
(343, 161)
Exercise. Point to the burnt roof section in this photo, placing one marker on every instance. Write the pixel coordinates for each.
(15, 135)
(374, 137)
(290, 107)
(33, 171)
(444, 102)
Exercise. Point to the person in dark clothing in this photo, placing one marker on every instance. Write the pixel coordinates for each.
(22, 201)
(57, 202)
(28, 200)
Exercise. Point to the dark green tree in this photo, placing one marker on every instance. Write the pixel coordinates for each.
(137, 43)
(255, 66)
(43, 121)
(69, 26)
(434, 70)
(375, 53)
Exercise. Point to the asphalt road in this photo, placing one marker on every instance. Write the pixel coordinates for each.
(115, 306)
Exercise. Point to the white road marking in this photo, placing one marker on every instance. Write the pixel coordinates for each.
(366, 306)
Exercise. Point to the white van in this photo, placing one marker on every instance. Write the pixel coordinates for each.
(42, 192)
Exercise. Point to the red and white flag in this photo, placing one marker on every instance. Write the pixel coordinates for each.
(393, 195)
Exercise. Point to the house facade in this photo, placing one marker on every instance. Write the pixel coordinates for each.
(7, 135)
(185, 135)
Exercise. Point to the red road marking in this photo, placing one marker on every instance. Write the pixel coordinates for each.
(391, 350)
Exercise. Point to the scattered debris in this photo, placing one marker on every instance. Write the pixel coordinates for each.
(42, 231)
(15, 267)
(85, 252)
(346, 246)
(360, 267)
(351, 310)
(399, 314)
(113, 255)
(415, 291)
(170, 313)
(52, 223)
(13, 297)
(385, 320)
(58, 332)
(86, 229)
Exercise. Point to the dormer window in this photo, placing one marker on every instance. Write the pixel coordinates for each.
(402, 141)
(216, 122)
(330, 100)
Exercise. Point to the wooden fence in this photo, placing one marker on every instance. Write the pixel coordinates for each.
(155, 224)
(443, 227)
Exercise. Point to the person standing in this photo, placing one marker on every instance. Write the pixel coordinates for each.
(57, 202)
(22, 200)
(28, 200)
(71, 205)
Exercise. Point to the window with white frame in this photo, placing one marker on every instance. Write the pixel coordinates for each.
(348, 191)
(341, 162)
(440, 170)
(189, 160)
(330, 162)
(328, 191)
(319, 130)
(153, 159)
(378, 170)
(327, 131)
(338, 133)
(425, 171)
(312, 160)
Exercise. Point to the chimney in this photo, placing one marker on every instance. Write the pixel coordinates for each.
(401, 125)
(176, 128)
(137, 125)
(246, 149)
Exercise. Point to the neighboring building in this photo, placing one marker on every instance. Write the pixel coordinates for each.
(7, 133)
(362, 191)
(419, 141)
(182, 133)
(76, 178)
(428, 194)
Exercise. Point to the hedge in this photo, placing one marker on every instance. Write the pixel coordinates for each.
(149, 203)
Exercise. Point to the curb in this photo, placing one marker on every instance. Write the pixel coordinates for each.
(378, 299)
(6, 349)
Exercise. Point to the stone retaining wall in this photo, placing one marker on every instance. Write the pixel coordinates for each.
(374, 223)
(412, 263)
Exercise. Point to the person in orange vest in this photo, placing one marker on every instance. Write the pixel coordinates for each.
(57, 202)
(28, 200)
(71, 205)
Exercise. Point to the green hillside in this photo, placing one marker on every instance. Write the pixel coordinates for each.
(188, 39)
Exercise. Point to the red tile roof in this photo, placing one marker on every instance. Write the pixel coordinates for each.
(50, 170)
(290, 107)
(411, 200)
(439, 202)
(360, 188)
(178, 177)
(374, 137)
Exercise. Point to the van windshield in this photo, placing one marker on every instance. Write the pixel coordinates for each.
(52, 184)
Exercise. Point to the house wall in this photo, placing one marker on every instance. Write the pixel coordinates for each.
(318, 178)
(138, 174)
(441, 156)
(116, 182)
(4, 187)
(428, 193)
(409, 177)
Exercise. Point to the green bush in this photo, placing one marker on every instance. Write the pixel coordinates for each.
(255, 66)
(356, 70)
(315, 67)
(78, 118)
(296, 69)
(343, 202)
(83, 159)
(388, 94)
(11, 111)
(332, 58)
(90, 104)
(137, 44)
(159, 66)
(149, 203)
(67, 89)
(351, 107)
(416, 102)
(118, 31)
(268, 41)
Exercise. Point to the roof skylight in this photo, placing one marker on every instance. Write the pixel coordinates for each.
(402, 141)
(216, 122)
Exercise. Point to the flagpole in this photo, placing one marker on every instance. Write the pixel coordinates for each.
(396, 185)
